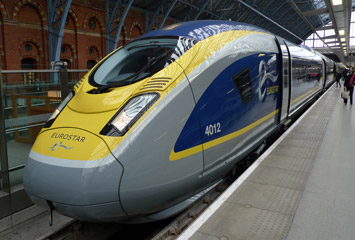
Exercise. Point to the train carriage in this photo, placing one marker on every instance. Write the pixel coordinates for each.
(160, 120)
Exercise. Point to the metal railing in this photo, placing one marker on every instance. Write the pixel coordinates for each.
(15, 84)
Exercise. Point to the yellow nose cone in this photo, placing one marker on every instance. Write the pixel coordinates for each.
(71, 144)
(87, 102)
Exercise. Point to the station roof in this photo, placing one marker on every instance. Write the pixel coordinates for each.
(293, 20)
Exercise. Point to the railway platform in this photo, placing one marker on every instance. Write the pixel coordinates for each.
(302, 187)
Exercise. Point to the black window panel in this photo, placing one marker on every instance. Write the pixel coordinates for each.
(242, 81)
(90, 64)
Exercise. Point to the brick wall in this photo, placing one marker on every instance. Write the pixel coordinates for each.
(24, 33)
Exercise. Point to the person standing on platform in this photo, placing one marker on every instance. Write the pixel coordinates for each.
(345, 73)
(349, 84)
(337, 78)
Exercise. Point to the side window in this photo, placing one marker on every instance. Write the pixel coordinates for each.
(242, 81)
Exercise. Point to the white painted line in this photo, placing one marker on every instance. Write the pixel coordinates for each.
(237, 183)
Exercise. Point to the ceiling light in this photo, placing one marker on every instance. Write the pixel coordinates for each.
(342, 39)
(341, 32)
(337, 2)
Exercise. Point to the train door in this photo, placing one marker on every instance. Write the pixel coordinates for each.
(285, 83)
(324, 72)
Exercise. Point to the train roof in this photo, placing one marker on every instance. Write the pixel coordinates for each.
(201, 29)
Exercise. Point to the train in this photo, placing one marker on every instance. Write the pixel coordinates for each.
(161, 120)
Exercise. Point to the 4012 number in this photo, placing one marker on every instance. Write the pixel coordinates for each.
(213, 129)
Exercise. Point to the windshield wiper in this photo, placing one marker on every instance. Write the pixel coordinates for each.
(151, 62)
(154, 43)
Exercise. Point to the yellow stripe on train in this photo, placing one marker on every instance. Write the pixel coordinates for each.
(188, 152)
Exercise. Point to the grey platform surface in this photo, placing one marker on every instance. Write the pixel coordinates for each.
(304, 189)
(35, 227)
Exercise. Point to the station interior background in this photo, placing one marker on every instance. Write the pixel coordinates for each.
(34, 34)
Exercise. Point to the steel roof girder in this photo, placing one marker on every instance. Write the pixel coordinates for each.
(267, 5)
(296, 8)
(324, 28)
(123, 18)
(287, 21)
(193, 6)
(269, 19)
(220, 3)
(277, 9)
(112, 41)
(333, 42)
(300, 14)
(56, 34)
(241, 15)
(316, 12)
(187, 15)
(263, 24)
(299, 25)
(319, 15)
(253, 20)
(146, 20)
(346, 8)
(225, 10)
(283, 15)
(111, 18)
(343, 19)
(156, 13)
(167, 13)
(52, 10)
(202, 9)
(329, 37)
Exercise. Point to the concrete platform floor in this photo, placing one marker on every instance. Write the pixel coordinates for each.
(303, 189)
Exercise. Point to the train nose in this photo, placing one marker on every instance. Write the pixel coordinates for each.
(74, 170)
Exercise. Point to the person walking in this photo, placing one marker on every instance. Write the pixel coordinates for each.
(349, 85)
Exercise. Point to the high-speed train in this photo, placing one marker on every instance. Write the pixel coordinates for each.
(162, 119)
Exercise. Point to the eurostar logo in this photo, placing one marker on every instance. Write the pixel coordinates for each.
(267, 73)
(59, 144)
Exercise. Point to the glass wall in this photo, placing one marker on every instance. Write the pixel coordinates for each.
(314, 41)
(28, 98)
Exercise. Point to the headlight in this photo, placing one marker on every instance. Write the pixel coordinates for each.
(58, 110)
(129, 114)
